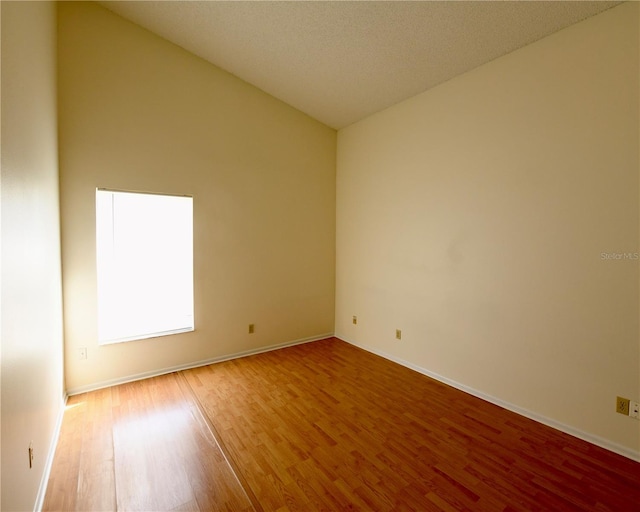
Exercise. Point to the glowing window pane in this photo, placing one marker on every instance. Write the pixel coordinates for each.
(144, 246)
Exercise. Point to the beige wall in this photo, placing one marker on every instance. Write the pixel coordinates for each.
(473, 217)
(138, 113)
(32, 380)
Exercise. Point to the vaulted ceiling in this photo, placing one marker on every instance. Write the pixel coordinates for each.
(340, 61)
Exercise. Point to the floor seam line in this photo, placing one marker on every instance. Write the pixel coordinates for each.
(228, 456)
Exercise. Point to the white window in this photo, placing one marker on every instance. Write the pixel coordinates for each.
(144, 247)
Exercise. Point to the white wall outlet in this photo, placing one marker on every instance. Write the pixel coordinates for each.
(634, 410)
(82, 353)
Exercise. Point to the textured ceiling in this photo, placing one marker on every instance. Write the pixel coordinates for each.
(340, 61)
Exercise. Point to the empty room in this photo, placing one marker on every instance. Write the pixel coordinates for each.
(302, 256)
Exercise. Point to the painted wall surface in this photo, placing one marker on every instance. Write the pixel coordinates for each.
(494, 219)
(138, 113)
(32, 367)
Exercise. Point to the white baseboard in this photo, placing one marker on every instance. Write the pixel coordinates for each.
(585, 436)
(44, 481)
(155, 373)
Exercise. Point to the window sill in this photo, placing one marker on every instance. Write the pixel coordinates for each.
(145, 336)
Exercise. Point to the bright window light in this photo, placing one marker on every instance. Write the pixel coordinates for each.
(144, 247)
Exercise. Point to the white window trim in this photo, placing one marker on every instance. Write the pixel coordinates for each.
(103, 337)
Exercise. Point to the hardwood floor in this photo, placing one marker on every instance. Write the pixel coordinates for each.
(322, 426)
(141, 446)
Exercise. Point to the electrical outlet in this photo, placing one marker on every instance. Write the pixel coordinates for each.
(634, 410)
(398, 334)
(252, 328)
(82, 353)
(355, 320)
(622, 405)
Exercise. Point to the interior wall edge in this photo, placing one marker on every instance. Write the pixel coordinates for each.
(562, 427)
(44, 482)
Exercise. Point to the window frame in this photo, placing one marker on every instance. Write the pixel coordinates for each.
(100, 275)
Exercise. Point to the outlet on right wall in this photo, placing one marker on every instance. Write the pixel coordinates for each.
(495, 220)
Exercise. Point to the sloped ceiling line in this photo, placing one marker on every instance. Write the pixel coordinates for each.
(341, 61)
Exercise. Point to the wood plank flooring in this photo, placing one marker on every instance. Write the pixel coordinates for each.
(142, 446)
(323, 426)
